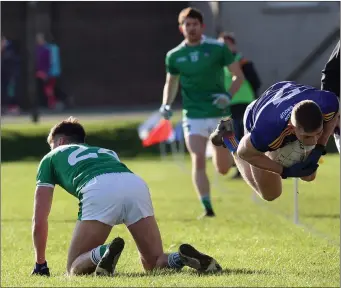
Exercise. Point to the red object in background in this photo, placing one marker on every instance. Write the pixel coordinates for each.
(160, 133)
(41, 75)
(49, 88)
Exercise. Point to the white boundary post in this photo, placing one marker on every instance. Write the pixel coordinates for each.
(296, 220)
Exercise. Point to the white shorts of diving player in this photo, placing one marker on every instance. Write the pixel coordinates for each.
(116, 198)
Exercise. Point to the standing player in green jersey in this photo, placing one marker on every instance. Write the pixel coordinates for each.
(198, 64)
(109, 194)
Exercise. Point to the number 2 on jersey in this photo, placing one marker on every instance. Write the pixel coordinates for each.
(74, 157)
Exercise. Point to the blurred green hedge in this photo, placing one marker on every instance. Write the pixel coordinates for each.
(28, 141)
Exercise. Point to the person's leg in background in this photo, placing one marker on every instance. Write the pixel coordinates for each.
(4, 96)
(196, 137)
(49, 90)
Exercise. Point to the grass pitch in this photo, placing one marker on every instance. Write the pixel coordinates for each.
(255, 246)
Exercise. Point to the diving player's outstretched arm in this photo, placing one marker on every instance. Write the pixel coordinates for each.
(328, 130)
(250, 154)
(329, 105)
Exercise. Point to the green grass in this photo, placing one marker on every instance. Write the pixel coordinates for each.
(255, 246)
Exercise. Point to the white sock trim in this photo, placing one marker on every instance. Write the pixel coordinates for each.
(95, 255)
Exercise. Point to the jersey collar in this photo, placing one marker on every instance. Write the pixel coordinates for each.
(203, 39)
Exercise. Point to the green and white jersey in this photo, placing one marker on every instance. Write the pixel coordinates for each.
(72, 166)
(201, 70)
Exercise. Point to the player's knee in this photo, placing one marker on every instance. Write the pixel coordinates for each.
(271, 196)
(223, 170)
(75, 270)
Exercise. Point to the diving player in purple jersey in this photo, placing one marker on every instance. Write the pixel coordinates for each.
(286, 112)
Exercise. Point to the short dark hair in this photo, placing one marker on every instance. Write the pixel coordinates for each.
(190, 12)
(69, 128)
(307, 115)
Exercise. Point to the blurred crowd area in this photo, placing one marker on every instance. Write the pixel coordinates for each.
(103, 55)
(47, 73)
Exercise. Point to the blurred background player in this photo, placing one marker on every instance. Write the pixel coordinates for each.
(331, 82)
(10, 74)
(248, 90)
(286, 112)
(109, 194)
(198, 64)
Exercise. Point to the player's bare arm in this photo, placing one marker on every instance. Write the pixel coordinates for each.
(170, 89)
(42, 207)
(169, 93)
(250, 154)
(238, 77)
(328, 130)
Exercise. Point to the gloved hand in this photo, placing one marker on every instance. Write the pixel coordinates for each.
(41, 269)
(299, 170)
(166, 111)
(315, 154)
(221, 100)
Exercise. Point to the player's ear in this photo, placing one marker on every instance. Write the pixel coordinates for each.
(181, 30)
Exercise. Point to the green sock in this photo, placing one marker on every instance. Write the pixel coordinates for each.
(206, 202)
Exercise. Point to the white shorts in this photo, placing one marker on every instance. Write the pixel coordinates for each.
(115, 198)
(203, 127)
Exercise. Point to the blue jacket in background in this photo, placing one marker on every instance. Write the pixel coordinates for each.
(55, 69)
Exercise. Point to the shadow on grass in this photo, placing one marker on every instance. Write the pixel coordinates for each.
(323, 216)
(168, 272)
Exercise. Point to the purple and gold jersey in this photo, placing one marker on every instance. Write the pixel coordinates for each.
(267, 118)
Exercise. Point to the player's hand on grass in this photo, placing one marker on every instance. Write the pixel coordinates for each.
(166, 111)
(221, 100)
(299, 170)
(41, 270)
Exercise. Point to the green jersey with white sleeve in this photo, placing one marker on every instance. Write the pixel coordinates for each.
(201, 71)
(72, 166)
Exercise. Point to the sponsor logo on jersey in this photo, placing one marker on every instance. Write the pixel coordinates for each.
(194, 56)
(181, 59)
(286, 113)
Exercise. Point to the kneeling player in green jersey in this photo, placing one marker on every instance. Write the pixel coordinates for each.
(109, 194)
(198, 64)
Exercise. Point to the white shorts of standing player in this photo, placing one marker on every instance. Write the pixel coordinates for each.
(203, 127)
(116, 198)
